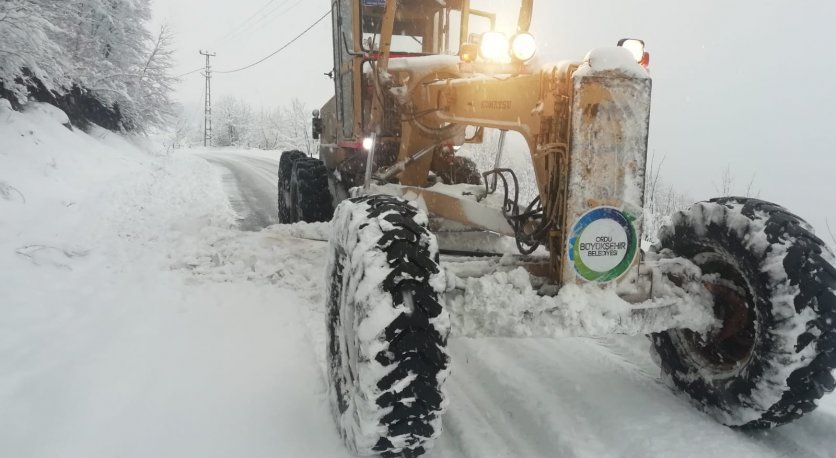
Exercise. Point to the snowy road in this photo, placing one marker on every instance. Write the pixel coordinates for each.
(569, 397)
(251, 183)
(145, 314)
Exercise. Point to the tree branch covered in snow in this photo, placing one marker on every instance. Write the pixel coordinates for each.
(29, 36)
(154, 83)
(96, 49)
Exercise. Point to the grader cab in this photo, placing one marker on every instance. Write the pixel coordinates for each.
(737, 296)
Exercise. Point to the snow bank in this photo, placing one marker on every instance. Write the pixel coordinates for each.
(127, 306)
(45, 111)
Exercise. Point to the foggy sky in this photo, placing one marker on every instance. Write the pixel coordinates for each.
(747, 84)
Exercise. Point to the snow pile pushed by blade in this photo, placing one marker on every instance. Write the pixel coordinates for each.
(505, 304)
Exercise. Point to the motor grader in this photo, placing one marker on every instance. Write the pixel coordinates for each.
(738, 297)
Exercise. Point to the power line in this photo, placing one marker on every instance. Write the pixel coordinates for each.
(285, 46)
(240, 27)
(267, 19)
(254, 15)
(189, 73)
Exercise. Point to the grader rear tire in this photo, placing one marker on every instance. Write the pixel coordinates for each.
(775, 291)
(285, 205)
(459, 170)
(387, 331)
(310, 193)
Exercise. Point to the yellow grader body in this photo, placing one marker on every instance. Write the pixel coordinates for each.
(586, 131)
(738, 295)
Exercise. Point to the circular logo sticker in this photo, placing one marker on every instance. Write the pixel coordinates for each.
(603, 244)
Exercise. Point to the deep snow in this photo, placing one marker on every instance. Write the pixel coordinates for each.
(117, 336)
(139, 320)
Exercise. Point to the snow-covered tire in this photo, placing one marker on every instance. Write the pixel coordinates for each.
(387, 330)
(460, 170)
(465, 171)
(310, 191)
(286, 213)
(775, 291)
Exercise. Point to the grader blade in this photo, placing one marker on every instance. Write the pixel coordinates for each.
(458, 209)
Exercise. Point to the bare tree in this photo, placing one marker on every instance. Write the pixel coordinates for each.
(726, 186)
(298, 121)
(652, 177)
(180, 135)
(237, 124)
(830, 232)
(233, 122)
(661, 201)
(750, 188)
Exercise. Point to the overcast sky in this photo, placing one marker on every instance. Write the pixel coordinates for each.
(745, 84)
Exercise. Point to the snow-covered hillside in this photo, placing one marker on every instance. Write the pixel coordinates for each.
(138, 320)
(126, 330)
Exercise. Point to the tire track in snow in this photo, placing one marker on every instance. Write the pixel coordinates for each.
(542, 429)
(629, 353)
(267, 169)
(630, 414)
(806, 438)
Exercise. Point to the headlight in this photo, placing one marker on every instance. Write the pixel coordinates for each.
(469, 52)
(368, 143)
(636, 47)
(494, 46)
(523, 47)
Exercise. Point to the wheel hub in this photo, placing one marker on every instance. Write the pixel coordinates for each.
(735, 310)
(734, 305)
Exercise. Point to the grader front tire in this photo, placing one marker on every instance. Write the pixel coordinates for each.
(775, 291)
(387, 331)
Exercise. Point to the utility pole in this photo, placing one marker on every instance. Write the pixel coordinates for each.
(207, 116)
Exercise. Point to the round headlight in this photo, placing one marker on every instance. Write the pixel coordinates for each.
(523, 47)
(636, 47)
(494, 46)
